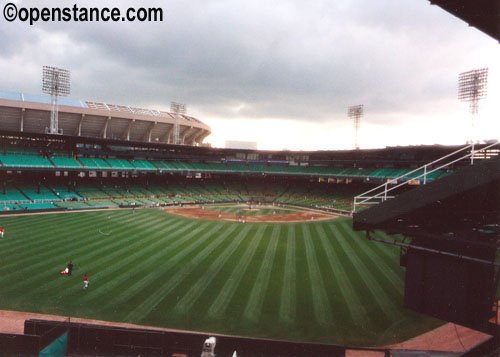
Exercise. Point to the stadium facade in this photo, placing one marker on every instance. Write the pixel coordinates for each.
(28, 113)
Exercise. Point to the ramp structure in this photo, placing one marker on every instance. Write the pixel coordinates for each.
(451, 230)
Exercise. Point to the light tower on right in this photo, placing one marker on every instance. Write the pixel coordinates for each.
(356, 112)
(472, 87)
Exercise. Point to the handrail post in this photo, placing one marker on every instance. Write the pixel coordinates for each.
(472, 156)
(425, 174)
(385, 192)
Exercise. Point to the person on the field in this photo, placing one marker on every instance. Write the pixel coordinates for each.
(85, 281)
(2, 231)
(70, 268)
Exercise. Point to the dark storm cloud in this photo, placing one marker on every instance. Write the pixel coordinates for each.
(239, 59)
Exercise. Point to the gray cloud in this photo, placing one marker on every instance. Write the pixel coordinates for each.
(237, 59)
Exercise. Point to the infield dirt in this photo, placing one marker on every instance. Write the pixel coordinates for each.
(298, 216)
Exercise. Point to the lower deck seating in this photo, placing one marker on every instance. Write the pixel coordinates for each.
(42, 205)
(39, 193)
(112, 192)
(64, 194)
(10, 207)
(12, 194)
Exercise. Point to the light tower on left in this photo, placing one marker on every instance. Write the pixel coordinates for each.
(56, 82)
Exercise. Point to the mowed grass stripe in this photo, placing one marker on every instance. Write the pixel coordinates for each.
(272, 298)
(253, 308)
(371, 258)
(375, 316)
(80, 228)
(303, 291)
(321, 305)
(35, 259)
(139, 265)
(88, 249)
(233, 280)
(182, 280)
(288, 310)
(186, 301)
(385, 302)
(389, 254)
(349, 299)
(161, 291)
(42, 238)
(31, 223)
(166, 258)
(131, 249)
(23, 230)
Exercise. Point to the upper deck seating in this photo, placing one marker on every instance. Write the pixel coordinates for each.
(29, 161)
(65, 162)
(119, 164)
(94, 163)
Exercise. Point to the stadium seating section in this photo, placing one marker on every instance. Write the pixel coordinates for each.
(30, 158)
(65, 162)
(28, 161)
(93, 193)
(241, 181)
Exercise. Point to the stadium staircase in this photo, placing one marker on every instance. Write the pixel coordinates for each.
(424, 174)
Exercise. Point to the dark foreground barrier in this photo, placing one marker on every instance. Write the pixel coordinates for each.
(19, 345)
(99, 340)
(34, 342)
(94, 340)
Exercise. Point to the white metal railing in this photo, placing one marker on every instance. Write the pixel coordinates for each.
(375, 198)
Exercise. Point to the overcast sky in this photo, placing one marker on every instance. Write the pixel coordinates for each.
(281, 73)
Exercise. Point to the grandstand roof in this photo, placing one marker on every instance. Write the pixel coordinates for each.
(482, 14)
(31, 113)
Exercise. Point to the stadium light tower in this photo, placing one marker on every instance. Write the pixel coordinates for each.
(356, 112)
(177, 109)
(472, 87)
(56, 82)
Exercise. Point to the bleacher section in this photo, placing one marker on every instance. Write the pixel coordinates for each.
(94, 163)
(64, 194)
(91, 192)
(30, 206)
(11, 207)
(12, 195)
(25, 161)
(39, 193)
(65, 162)
(120, 164)
(143, 165)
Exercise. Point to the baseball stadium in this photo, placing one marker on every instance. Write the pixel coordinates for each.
(365, 252)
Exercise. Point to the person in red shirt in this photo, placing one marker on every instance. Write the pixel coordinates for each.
(85, 281)
(2, 231)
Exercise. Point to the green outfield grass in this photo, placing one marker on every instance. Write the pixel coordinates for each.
(314, 281)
